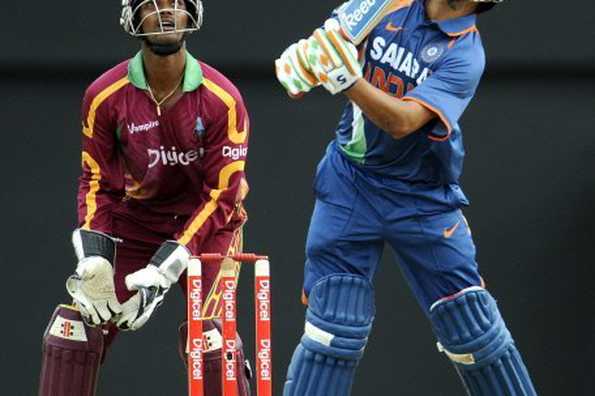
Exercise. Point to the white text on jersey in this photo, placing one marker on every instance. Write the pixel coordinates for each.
(171, 157)
(235, 153)
(399, 58)
(132, 129)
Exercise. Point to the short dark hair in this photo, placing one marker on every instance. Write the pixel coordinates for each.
(483, 7)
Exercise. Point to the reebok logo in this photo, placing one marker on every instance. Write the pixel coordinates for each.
(358, 16)
(353, 17)
(132, 129)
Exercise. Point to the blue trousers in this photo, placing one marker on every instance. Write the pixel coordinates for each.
(357, 211)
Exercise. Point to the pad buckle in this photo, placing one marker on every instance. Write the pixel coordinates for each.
(467, 359)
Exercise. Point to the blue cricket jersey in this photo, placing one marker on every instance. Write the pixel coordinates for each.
(435, 63)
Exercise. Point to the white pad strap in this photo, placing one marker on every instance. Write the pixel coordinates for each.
(317, 334)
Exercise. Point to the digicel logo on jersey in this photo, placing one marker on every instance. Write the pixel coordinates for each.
(235, 153)
(171, 157)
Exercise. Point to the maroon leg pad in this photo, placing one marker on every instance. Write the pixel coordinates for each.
(212, 360)
(71, 355)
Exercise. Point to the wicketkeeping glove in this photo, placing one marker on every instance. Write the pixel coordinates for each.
(92, 285)
(331, 57)
(293, 73)
(151, 283)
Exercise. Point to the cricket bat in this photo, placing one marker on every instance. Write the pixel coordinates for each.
(359, 17)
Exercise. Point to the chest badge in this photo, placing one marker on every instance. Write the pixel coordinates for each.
(199, 128)
(432, 52)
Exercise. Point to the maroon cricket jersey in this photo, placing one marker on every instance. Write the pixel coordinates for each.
(186, 163)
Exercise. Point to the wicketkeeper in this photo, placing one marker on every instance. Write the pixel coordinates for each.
(165, 139)
(409, 69)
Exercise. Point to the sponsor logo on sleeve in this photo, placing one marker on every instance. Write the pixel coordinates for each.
(235, 153)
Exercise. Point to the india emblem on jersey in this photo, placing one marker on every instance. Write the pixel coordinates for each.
(432, 52)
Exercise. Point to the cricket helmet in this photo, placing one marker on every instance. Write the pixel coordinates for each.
(132, 22)
(486, 5)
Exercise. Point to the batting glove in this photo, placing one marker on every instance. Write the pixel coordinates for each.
(332, 58)
(92, 285)
(293, 72)
(152, 283)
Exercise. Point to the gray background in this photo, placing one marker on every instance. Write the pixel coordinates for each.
(250, 33)
(530, 176)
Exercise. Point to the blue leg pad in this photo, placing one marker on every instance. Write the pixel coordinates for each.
(338, 321)
(472, 333)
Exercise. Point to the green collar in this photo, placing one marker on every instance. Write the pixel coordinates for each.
(193, 76)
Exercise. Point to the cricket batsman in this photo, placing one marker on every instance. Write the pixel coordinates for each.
(164, 145)
(409, 69)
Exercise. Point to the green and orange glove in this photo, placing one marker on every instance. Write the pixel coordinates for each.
(326, 58)
(294, 73)
(331, 57)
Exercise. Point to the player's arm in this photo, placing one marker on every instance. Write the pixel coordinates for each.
(100, 186)
(396, 117)
(440, 99)
(447, 92)
(225, 186)
(443, 96)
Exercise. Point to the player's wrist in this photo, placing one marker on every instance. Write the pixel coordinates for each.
(171, 259)
(349, 91)
(89, 243)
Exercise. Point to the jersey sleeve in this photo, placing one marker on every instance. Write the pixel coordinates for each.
(448, 90)
(101, 183)
(225, 186)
